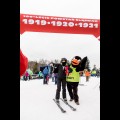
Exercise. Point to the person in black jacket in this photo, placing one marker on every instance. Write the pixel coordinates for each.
(60, 69)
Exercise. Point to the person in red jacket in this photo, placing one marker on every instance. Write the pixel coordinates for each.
(23, 63)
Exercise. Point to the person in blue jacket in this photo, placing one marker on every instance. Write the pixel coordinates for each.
(45, 75)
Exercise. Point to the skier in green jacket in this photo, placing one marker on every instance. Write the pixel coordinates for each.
(73, 78)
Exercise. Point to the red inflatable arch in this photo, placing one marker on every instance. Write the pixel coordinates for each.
(53, 24)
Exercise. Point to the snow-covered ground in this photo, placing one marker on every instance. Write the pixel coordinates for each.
(36, 101)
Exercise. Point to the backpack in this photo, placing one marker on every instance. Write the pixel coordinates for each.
(45, 71)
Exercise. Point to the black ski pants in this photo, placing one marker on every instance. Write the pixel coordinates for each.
(61, 82)
(73, 90)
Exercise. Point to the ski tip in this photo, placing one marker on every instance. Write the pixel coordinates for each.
(74, 109)
(64, 111)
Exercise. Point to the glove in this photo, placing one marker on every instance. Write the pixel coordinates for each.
(83, 63)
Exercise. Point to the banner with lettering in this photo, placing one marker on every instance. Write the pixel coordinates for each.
(55, 24)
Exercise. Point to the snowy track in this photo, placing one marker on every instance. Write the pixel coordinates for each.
(36, 101)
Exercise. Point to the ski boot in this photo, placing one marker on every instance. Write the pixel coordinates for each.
(65, 99)
(57, 100)
(77, 103)
(71, 100)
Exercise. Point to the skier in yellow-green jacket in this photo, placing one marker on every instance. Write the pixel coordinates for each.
(73, 78)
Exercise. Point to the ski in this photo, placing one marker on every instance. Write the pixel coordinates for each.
(58, 104)
(74, 109)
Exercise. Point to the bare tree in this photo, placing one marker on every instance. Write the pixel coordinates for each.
(56, 61)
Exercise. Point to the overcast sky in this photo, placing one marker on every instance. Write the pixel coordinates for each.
(56, 45)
